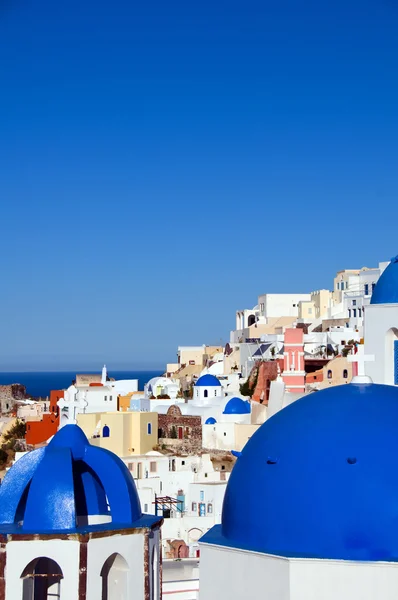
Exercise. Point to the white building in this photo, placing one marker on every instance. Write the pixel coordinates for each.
(310, 509)
(72, 527)
(193, 491)
(381, 328)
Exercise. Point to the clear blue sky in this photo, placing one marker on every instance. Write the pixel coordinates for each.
(163, 163)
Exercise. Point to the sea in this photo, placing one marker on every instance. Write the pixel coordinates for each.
(39, 384)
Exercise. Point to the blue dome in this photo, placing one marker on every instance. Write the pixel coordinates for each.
(237, 406)
(208, 381)
(210, 421)
(319, 479)
(57, 488)
(386, 290)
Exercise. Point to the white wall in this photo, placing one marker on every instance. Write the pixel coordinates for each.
(238, 575)
(64, 552)
(281, 305)
(231, 574)
(379, 337)
(343, 580)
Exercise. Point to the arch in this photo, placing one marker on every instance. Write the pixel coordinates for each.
(106, 432)
(391, 357)
(42, 579)
(194, 534)
(205, 393)
(154, 570)
(114, 575)
(251, 320)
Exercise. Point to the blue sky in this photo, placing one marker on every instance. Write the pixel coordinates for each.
(163, 163)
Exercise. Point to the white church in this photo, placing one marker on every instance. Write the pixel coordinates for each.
(310, 511)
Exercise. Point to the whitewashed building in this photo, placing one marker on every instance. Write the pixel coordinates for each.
(310, 507)
(72, 527)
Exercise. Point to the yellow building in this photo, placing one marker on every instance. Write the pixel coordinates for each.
(317, 307)
(124, 433)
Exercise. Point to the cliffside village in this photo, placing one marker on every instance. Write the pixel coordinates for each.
(181, 436)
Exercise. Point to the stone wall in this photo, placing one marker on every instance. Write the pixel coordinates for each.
(9, 395)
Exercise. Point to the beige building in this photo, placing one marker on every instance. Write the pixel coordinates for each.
(337, 371)
(171, 368)
(317, 307)
(124, 433)
(196, 355)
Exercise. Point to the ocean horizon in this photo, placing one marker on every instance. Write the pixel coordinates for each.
(40, 383)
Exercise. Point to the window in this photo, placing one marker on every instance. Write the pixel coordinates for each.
(310, 311)
(373, 286)
(349, 313)
(354, 302)
(354, 312)
(205, 474)
(114, 575)
(194, 507)
(210, 508)
(366, 289)
(183, 462)
(105, 398)
(106, 432)
(330, 374)
(152, 467)
(42, 578)
(222, 467)
(145, 507)
(149, 428)
(359, 312)
(131, 466)
(294, 305)
(110, 398)
(205, 393)
(202, 495)
(342, 285)
(191, 362)
(345, 374)
(224, 434)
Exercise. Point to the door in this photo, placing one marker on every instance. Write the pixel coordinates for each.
(202, 509)
(180, 433)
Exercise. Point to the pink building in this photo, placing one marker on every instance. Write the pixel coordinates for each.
(294, 372)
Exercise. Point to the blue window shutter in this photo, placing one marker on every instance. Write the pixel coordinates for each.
(396, 362)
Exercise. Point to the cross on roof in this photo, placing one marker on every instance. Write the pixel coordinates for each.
(70, 404)
(360, 358)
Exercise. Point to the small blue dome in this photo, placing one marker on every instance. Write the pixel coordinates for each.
(319, 479)
(386, 290)
(237, 406)
(208, 381)
(57, 488)
(210, 421)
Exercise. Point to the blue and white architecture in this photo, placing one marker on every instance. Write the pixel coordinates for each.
(206, 390)
(381, 328)
(310, 509)
(72, 528)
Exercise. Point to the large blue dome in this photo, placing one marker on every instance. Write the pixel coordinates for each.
(237, 406)
(319, 479)
(59, 487)
(208, 381)
(386, 290)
